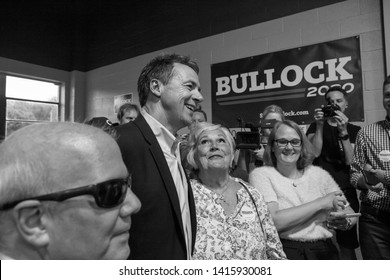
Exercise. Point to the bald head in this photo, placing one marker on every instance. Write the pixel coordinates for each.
(44, 157)
(85, 213)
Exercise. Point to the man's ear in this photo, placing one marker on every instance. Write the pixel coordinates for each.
(156, 87)
(28, 218)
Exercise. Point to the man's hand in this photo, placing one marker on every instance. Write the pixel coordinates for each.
(379, 174)
(342, 122)
(341, 220)
(319, 115)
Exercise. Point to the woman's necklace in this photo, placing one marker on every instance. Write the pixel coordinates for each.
(297, 176)
(221, 197)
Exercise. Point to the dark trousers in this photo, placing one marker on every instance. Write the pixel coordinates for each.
(318, 250)
(374, 234)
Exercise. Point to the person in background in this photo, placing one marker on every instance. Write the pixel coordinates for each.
(371, 158)
(169, 92)
(333, 139)
(270, 113)
(233, 221)
(250, 159)
(127, 113)
(64, 194)
(102, 123)
(305, 202)
(199, 116)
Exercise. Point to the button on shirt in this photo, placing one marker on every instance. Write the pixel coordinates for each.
(170, 147)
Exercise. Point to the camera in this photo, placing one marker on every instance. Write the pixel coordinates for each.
(246, 139)
(251, 140)
(267, 123)
(329, 110)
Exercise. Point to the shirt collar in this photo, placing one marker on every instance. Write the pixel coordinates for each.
(165, 138)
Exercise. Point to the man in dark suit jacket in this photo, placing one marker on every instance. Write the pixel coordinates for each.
(165, 227)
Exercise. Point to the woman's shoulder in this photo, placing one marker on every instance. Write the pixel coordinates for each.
(264, 170)
(242, 182)
(248, 187)
(315, 170)
(196, 184)
(261, 173)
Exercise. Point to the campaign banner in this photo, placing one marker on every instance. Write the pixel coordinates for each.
(295, 79)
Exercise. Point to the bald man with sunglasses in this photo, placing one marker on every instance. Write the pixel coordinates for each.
(64, 194)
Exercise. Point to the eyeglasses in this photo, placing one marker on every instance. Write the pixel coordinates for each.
(282, 142)
(107, 194)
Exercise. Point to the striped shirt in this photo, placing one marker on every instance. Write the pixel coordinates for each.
(371, 143)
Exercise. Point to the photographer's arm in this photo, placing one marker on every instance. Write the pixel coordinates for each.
(316, 138)
(342, 123)
(348, 150)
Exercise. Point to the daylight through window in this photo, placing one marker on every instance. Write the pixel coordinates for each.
(30, 101)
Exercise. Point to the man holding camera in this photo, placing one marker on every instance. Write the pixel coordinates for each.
(333, 138)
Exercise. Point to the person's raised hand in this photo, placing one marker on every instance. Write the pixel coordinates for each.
(333, 201)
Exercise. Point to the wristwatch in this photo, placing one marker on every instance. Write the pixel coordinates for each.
(344, 137)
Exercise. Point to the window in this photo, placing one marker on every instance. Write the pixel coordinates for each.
(28, 101)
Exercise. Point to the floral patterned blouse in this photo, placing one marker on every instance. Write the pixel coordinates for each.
(238, 236)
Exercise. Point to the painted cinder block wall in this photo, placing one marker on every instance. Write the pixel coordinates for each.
(341, 20)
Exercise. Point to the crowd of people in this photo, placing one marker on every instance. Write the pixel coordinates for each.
(137, 189)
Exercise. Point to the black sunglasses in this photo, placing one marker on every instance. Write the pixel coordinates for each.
(107, 194)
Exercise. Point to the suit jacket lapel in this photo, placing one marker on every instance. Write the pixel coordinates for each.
(191, 203)
(162, 165)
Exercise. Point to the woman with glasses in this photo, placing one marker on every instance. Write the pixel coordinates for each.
(233, 221)
(305, 202)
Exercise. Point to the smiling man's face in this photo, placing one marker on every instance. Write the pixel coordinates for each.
(180, 96)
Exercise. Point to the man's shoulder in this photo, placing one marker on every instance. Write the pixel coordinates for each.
(130, 137)
(370, 128)
(127, 130)
(139, 126)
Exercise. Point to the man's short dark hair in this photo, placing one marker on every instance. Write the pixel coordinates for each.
(160, 68)
(126, 107)
(337, 88)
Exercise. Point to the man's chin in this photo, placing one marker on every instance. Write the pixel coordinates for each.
(186, 121)
(120, 254)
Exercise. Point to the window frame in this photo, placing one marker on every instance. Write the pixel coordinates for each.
(4, 98)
